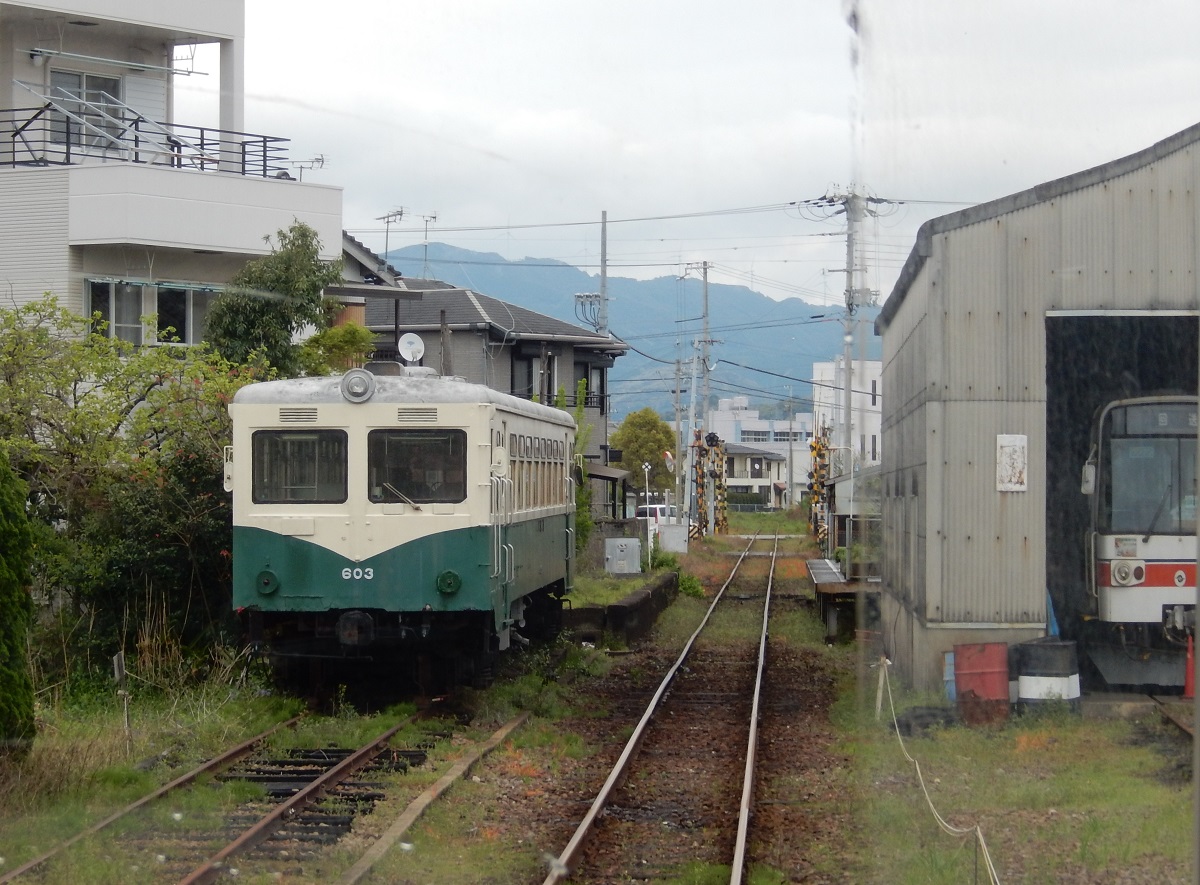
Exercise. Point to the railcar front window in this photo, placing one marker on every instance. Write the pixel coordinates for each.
(1149, 485)
(292, 466)
(417, 466)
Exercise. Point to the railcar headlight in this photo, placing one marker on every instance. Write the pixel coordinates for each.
(449, 582)
(358, 385)
(267, 582)
(1127, 572)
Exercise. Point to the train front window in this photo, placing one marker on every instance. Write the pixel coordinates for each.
(417, 466)
(299, 466)
(1148, 484)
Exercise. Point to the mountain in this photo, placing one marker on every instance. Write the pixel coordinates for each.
(762, 346)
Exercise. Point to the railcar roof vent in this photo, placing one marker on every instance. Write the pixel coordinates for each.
(297, 414)
(417, 415)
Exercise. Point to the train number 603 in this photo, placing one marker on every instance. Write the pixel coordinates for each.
(358, 574)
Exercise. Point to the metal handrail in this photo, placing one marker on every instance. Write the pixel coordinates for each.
(35, 138)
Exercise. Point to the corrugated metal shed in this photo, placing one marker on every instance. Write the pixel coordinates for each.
(966, 365)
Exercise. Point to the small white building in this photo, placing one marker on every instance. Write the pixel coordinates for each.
(866, 396)
(106, 199)
(787, 438)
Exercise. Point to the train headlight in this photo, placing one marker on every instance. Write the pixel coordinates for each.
(358, 385)
(1128, 572)
(267, 582)
(449, 582)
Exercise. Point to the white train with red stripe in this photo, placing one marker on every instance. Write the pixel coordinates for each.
(1142, 541)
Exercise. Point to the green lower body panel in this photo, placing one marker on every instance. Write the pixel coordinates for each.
(273, 572)
(439, 586)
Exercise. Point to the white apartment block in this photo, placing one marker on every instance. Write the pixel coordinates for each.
(785, 440)
(108, 201)
(866, 389)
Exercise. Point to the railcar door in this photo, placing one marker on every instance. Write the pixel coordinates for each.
(502, 565)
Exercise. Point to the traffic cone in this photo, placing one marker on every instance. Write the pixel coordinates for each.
(1189, 678)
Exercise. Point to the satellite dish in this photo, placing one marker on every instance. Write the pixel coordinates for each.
(411, 347)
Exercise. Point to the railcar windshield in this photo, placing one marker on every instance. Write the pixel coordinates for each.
(299, 466)
(418, 466)
(1148, 471)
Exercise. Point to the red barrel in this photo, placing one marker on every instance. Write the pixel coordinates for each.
(981, 682)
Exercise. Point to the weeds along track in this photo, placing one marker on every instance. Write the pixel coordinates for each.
(682, 789)
(281, 811)
(211, 767)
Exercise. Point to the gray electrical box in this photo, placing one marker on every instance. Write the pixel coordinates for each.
(623, 556)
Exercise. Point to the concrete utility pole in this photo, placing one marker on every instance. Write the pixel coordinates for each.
(687, 440)
(680, 463)
(854, 213)
(592, 307)
(707, 342)
(602, 314)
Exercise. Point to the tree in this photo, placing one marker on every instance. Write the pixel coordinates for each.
(120, 449)
(583, 486)
(16, 609)
(643, 438)
(272, 301)
(336, 349)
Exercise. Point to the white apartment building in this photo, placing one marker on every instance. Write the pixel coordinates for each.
(108, 201)
(784, 440)
(866, 390)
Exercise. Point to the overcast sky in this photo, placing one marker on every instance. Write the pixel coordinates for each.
(529, 118)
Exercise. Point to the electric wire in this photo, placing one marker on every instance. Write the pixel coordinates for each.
(945, 825)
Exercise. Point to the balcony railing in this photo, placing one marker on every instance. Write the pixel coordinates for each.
(596, 401)
(68, 130)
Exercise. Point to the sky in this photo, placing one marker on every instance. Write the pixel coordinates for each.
(704, 130)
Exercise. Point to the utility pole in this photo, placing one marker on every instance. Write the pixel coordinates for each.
(680, 464)
(602, 313)
(592, 307)
(691, 424)
(707, 342)
(854, 212)
(791, 489)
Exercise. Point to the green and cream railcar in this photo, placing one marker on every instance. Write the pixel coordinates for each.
(376, 512)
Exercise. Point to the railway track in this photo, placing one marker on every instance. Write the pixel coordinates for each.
(684, 786)
(304, 801)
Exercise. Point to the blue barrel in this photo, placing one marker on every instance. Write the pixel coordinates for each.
(1049, 674)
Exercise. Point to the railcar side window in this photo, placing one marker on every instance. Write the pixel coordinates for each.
(422, 466)
(299, 466)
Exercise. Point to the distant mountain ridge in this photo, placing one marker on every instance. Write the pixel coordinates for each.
(661, 318)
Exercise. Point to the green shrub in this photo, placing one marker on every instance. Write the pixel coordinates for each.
(16, 610)
(689, 585)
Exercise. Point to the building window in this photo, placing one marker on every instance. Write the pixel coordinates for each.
(85, 98)
(874, 394)
(181, 311)
(874, 447)
(181, 314)
(119, 306)
(756, 436)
